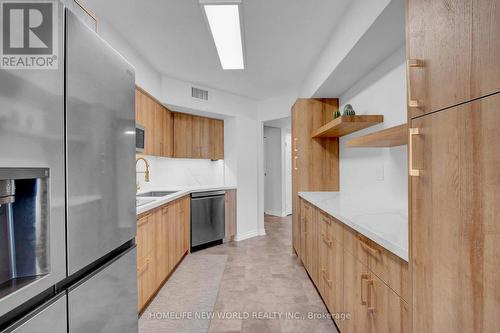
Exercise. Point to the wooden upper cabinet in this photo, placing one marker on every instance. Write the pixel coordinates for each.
(145, 116)
(217, 139)
(180, 135)
(166, 131)
(198, 137)
(183, 135)
(453, 51)
(455, 229)
(201, 137)
(157, 121)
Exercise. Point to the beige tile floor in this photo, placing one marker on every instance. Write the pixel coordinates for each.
(263, 280)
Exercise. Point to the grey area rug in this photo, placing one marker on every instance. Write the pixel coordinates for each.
(189, 295)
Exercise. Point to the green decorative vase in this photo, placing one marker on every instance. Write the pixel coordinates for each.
(348, 110)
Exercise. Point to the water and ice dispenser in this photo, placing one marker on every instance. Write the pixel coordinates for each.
(24, 227)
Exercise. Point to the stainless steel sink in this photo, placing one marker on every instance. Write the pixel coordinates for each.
(156, 194)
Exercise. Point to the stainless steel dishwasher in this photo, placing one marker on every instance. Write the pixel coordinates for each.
(207, 219)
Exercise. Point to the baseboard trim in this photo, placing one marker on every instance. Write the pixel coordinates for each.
(274, 213)
(247, 235)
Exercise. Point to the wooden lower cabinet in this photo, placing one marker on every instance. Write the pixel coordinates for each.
(306, 232)
(162, 241)
(146, 274)
(372, 305)
(230, 215)
(331, 264)
(353, 276)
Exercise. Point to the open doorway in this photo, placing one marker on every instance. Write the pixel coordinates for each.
(277, 167)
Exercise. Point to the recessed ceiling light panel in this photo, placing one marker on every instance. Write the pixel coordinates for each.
(224, 21)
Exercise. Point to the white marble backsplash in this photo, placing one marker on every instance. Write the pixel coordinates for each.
(180, 172)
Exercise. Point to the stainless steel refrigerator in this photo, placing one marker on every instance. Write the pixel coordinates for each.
(67, 190)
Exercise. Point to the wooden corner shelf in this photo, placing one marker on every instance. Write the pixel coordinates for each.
(389, 137)
(344, 125)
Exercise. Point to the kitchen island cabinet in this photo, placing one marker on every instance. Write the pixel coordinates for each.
(354, 275)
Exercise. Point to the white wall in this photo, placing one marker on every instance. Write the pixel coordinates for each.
(273, 171)
(277, 107)
(358, 17)
(382, 91)
(250, 214)
(146, 75)
(242, 142)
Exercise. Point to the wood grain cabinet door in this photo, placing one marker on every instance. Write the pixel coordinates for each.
(159, 129)
(167, 134)
(216, 139)
(387, 312)
(457, 45)
(455, 225)
(145, 116)
(183, 135)
(356, 277)
(231, 212)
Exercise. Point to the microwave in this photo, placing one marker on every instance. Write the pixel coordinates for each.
(140, 138)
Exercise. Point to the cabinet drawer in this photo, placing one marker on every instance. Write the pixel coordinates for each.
(331, 278)
(374, 307)
(332, 228)
(387, 266)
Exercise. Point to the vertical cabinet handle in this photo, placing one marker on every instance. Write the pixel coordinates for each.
(369, 286)
(364, 276)
(295, 163)
(325, 277)
(412, 63)
(413, 172)
(295, 149)
(328, 243)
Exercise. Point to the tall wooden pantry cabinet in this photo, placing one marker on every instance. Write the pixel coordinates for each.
(315, 162)
(453, 50)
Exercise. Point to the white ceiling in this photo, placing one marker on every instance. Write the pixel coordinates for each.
(282, 40)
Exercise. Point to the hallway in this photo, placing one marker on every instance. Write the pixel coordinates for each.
(262, 278)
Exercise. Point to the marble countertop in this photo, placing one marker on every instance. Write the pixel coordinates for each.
(385, 223)
(154, 202)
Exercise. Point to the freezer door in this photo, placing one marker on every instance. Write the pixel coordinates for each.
(107, 301)
(100, 120)
(50, 317)
(32, 136)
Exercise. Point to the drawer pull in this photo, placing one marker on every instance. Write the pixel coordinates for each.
(328, 281)
(326, 220)
(364, 276)
(369, 286)
(295, 163)
(143, 268)
(413, 63)
(368, 248)
(329, 243)
(143, 221)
